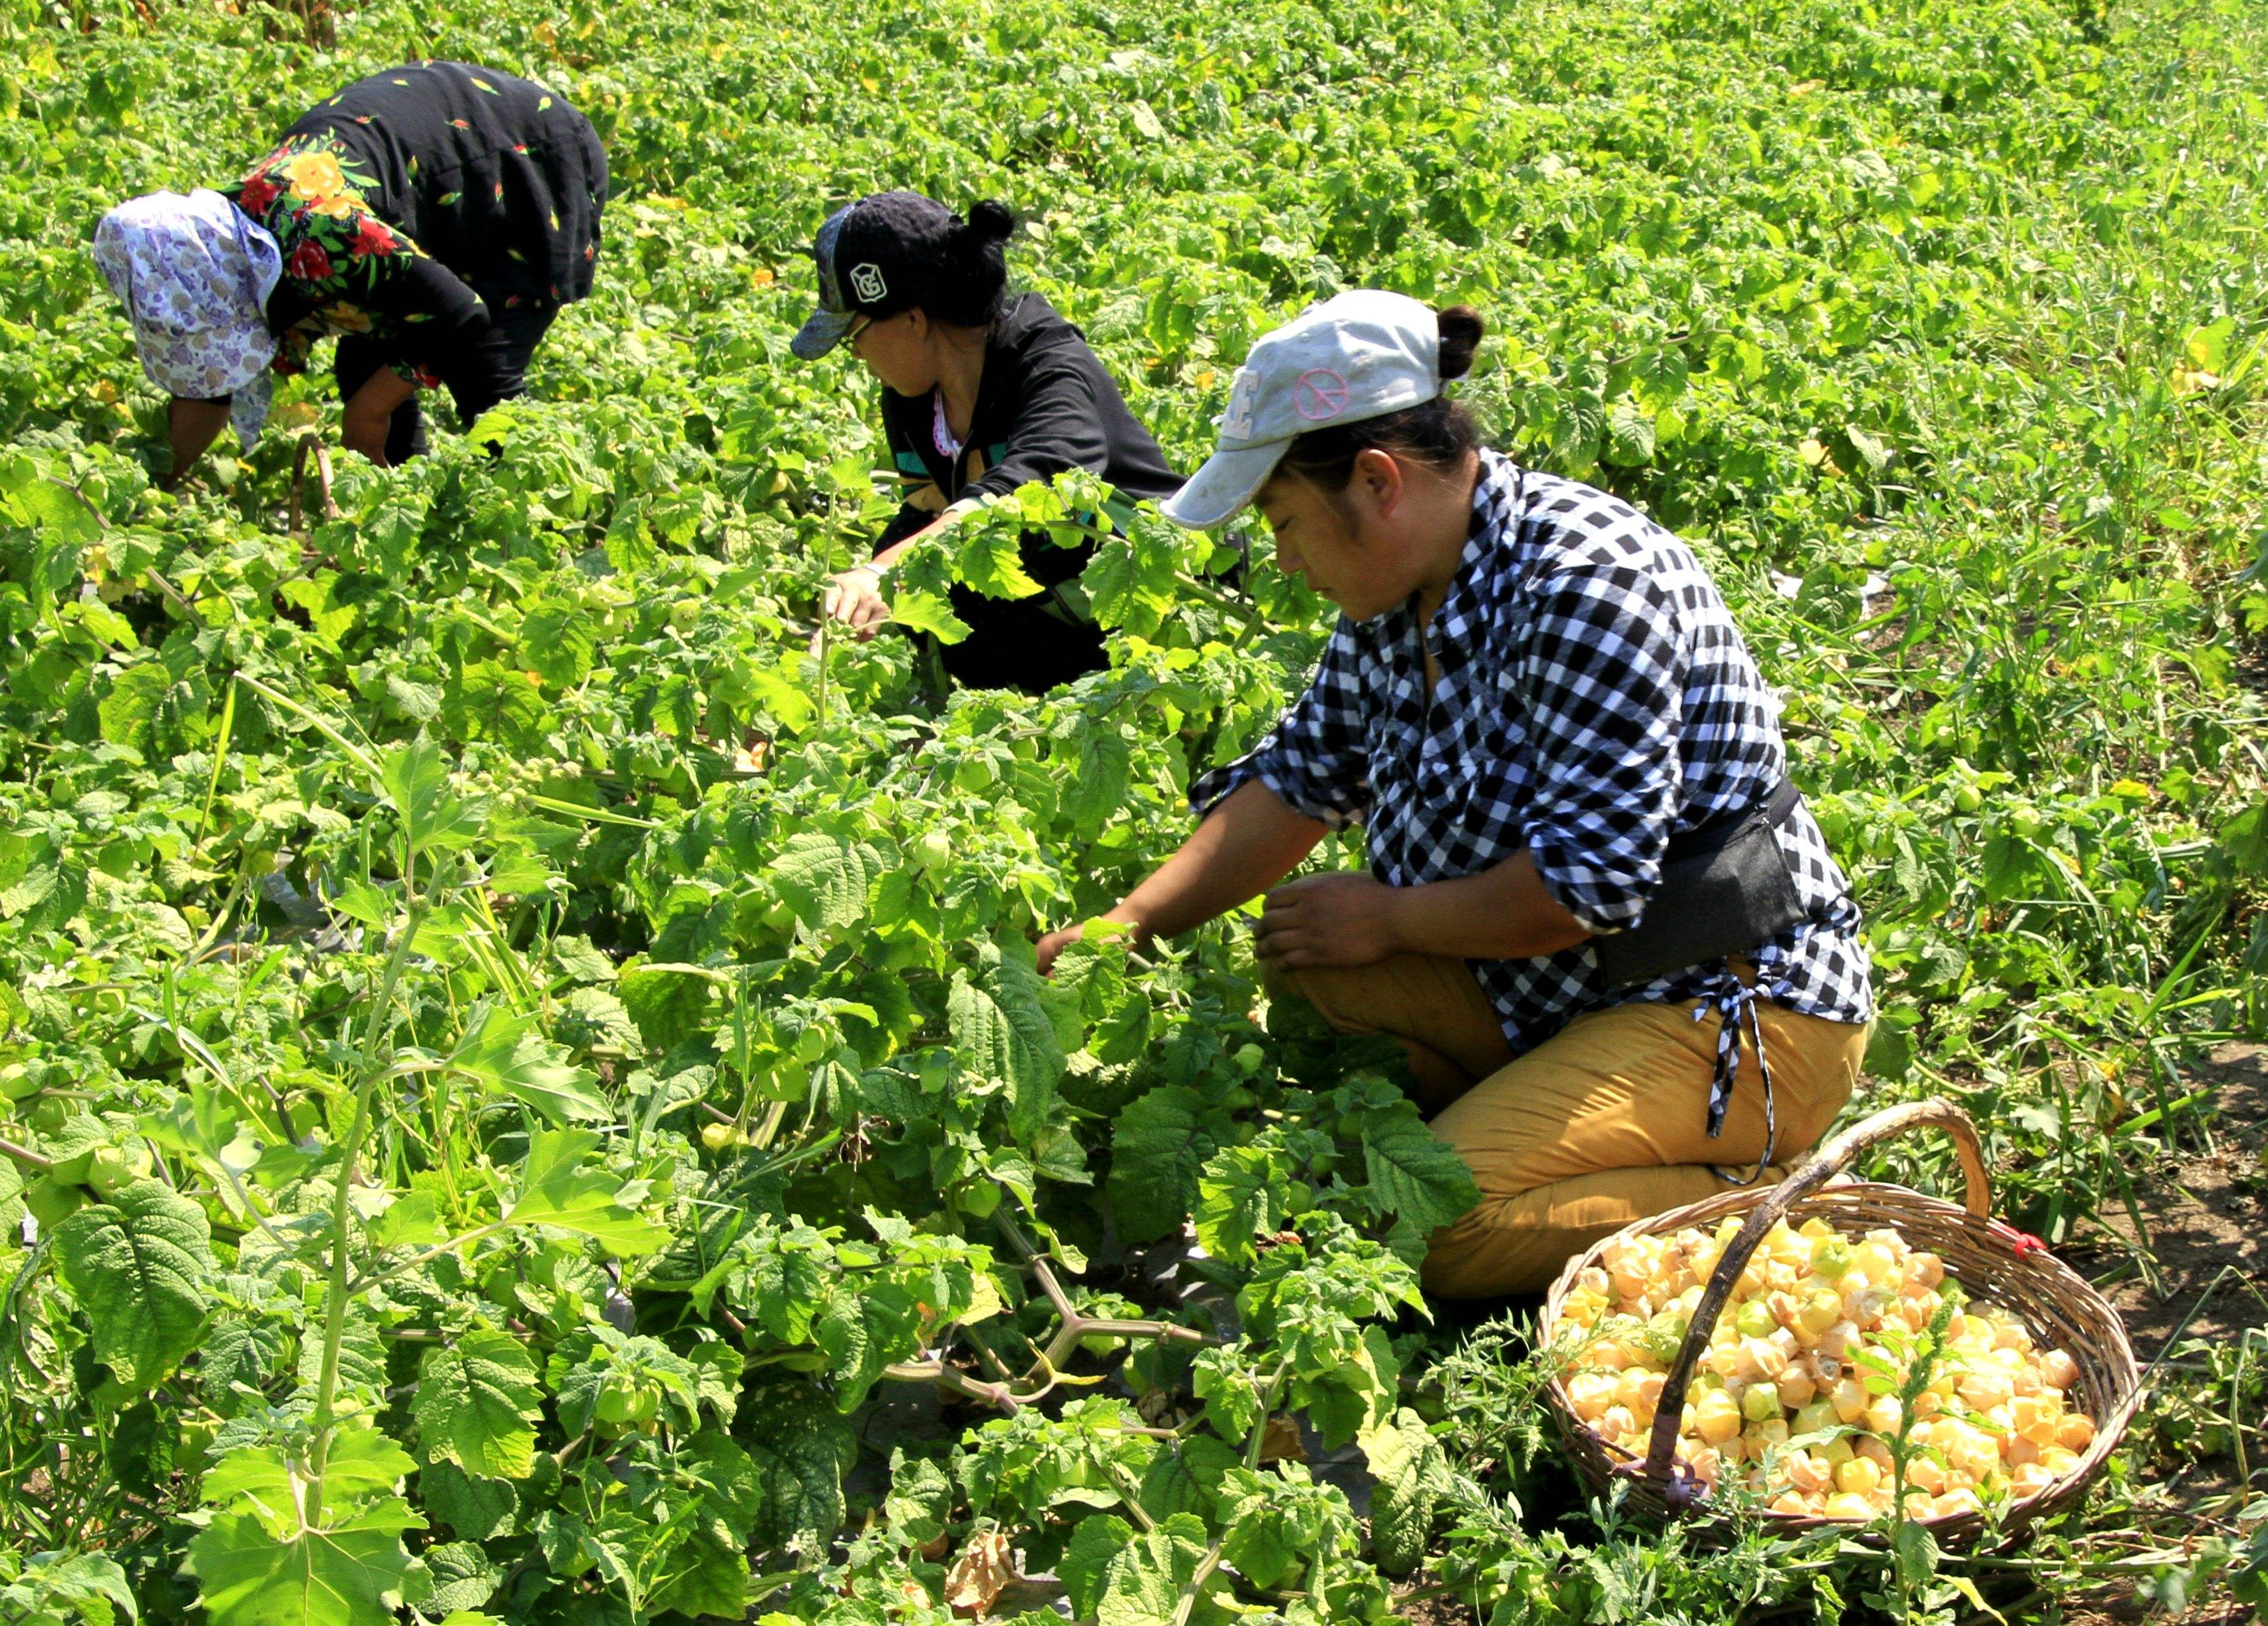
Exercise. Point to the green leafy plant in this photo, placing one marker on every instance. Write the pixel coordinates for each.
(518, 1076)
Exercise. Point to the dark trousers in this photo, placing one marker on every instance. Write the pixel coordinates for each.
(498, 370)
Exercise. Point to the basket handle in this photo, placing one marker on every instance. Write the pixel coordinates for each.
(311, 444)
(1829, 1160)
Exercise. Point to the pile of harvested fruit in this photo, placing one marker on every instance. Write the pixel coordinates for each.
(1797, 1396)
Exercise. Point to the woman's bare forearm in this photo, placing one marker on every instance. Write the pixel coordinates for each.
(1245, 845)
(191, 426)
(380, 394)
(1502, 913)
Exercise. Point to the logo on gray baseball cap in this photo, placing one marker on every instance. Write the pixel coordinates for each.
(1359, 354)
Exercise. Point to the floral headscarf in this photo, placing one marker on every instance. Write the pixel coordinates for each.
(195, 274)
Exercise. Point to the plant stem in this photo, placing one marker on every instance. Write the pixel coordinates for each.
(363, 1283)
(25, 1155)
(1206, 1565)
(335, 1297)
(220, 761)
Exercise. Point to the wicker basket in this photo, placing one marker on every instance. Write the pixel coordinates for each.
(1991, 1259)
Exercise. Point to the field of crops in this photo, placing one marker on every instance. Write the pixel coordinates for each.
(527, 1096)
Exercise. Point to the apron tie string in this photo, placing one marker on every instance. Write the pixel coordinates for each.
(1733, 1001)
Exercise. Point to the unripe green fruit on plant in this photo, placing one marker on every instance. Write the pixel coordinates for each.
(1249, 1059)
(52, 1200)
(933, 850)
(2025, 821)
(17, 1082)
(717, 1137)
(1967, 799)
(48, 1115)
(615, 1397)
(109, 1170)
(974, 774)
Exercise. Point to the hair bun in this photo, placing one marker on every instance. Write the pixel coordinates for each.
(1461, 328)
(990, 222)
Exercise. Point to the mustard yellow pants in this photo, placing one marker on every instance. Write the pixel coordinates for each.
(1602, 1124)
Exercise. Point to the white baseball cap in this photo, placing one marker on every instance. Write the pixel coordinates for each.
(1357, 356)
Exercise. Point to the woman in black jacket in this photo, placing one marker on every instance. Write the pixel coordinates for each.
(981, 393)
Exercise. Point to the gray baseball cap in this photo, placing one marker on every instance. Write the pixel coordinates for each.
(1357, 356)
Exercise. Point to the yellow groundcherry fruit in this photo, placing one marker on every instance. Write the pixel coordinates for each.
(1850, 1398)
(1716, 1418)
(1857, 1476)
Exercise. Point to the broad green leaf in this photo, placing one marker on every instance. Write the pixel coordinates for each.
(864, 1327)
(490, 700)
(1099, 780)
(559, 640)
(139, 1265)
(925, 610)
(1086, 1561)
(1630, 436)
(1158, 1151)
(464, 1578)
(1185, 1477)
(1410, 1471)
(93, 1586)
(713, 1585)
(506, 1056)
(988, 555)
(477, 1405)
(356, 1572)
(557, 1191)
(130, 711)
(57, 512)
(801, 1449)
(1415, 1174)
(1143, 1585)
(734, 1492)
(1245, 1192)
(826, 879)
(1004, 1030)
(417, 780)
(920, 1501)
(363, 1465)
(1282, 1525)
(476, 1510)
(49, 897)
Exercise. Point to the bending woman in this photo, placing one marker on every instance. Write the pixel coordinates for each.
(433, 218)
(1536, 703)
(981, 393)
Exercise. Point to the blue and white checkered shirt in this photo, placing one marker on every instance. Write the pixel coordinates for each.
(1595, 699)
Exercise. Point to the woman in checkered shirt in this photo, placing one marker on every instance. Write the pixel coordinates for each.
(1539, 709)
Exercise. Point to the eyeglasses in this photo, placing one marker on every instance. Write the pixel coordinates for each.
(858, 327)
